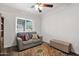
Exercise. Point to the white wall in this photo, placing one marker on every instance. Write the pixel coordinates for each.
(10, 15)
(62, 25)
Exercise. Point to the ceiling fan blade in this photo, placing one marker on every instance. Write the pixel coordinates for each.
(39, 10)
(48, 5)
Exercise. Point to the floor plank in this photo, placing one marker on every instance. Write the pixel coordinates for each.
(41, 50)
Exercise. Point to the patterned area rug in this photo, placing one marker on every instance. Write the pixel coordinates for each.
(41, 50)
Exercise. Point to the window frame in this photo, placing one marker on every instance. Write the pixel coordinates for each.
(25, 22)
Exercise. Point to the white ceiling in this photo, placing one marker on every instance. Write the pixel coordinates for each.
(27, 7)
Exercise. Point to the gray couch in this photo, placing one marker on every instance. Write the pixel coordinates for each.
(29, 43)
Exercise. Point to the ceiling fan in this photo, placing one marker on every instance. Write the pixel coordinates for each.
(40, 6)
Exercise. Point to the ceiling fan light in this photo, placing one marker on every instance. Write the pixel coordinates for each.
(40, 7)
(36, 7)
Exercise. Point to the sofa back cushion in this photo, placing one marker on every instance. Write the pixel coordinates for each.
(22, 36)
(25, 35)
(31, 34)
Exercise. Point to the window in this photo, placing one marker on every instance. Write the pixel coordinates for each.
(24, 25)
(28, 25)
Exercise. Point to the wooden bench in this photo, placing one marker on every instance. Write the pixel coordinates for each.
(61, 45)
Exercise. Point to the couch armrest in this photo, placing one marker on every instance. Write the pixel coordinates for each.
(41, 37)
(19, 43)
(19, 39)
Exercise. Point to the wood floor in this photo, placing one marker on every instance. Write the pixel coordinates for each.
(41, 50)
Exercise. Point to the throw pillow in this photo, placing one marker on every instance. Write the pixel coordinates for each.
(26, 36)
(34, 36)
(30, 35)
(23, 37)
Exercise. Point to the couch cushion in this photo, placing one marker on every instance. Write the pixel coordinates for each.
(27, 42)
(22, 36)
(30, 34)
(31, 41)
(36, 40)
(20, 33)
